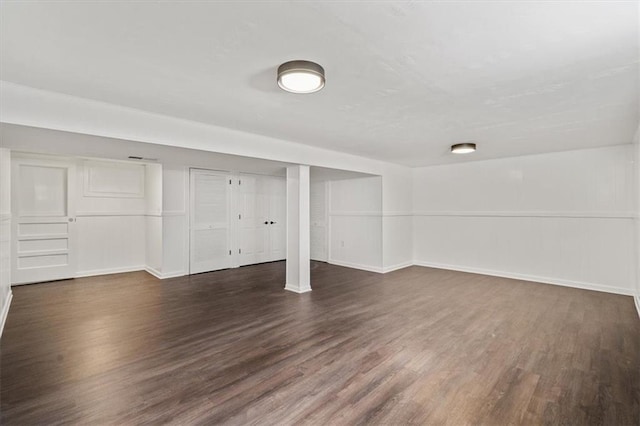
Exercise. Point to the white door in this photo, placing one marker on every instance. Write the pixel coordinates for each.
(262, 219)
(209, 230)
(277, 219)
(43, 234)
(253, 224)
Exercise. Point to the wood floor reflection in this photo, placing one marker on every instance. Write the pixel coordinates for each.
(419, 345)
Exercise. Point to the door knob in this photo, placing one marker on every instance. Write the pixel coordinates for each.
(266, 223)
(272, 222)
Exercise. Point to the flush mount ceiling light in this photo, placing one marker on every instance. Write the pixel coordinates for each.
(300, 77)
(463, 148)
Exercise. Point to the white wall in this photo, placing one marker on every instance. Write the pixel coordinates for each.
(5, 235)
(564, 218)
(355, 215)
(111, 220)
(153, 219)
(319, 216)
(397, 223)
(175, 220)
(109, 243)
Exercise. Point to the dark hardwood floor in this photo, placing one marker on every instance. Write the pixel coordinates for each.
(419, 345)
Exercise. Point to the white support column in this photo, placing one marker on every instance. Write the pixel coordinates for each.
(298, 234)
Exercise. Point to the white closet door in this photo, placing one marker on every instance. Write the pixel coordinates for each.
(262, 222)
(253, 220)
(44, 226)
(277, 218)
(210, 245)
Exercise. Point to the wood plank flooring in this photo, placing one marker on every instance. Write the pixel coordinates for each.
(415, 346)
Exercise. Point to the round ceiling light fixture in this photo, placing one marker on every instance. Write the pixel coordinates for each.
(300, 77)
(463, 148)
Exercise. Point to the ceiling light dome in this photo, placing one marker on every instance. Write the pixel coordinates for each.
(300, 77)
(463, 148)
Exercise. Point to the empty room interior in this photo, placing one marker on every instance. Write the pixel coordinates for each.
(321, 213)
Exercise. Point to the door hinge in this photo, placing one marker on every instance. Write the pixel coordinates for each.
(239, 181)
(239, 216)
(239, 251)
(229, 181)
(229, 252)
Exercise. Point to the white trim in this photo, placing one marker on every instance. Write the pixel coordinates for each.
(5, 216)
(153, 272)
(5, 311)
(90, 165)
(525, 277)
(296, 289)
(505, 213)
(637, 300)
(368, 268)
(113, 213)
(164, 276)
(148, 269)
(174, 213)
(173, 274)
(542, 214)
(398, 213)
(356, 213)
(120, 213)
(94, 272)
(396, 267)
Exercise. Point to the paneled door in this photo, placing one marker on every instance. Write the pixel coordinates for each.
(262, 219)
(277, 218)
(43, 234)
(253, 225)
(209, 224)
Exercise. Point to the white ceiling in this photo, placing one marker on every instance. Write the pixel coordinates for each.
(404, 79)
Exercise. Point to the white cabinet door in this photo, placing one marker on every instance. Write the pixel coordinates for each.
(43, 233)
(210, 239)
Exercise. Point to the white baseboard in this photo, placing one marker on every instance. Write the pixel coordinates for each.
(173, 274)
(295, 289)
(525, 277)
(94, 272)
(148, 269)
(356, 266)
(153, 272)
(396, 267)
(637, 300)
(5, 311)
(164, 275)
(369, 268)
